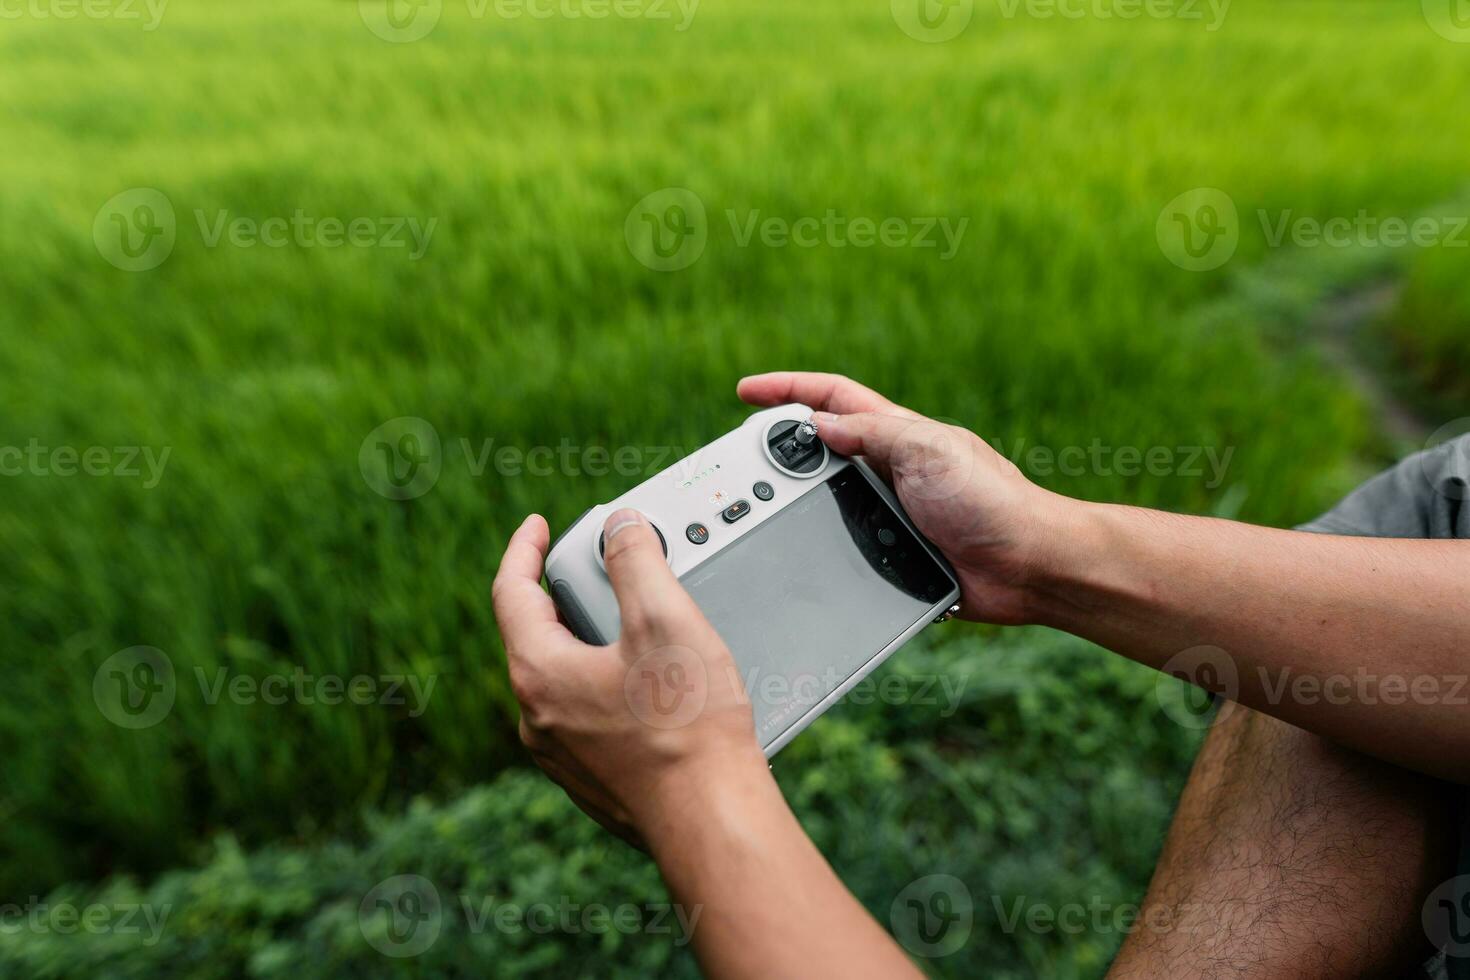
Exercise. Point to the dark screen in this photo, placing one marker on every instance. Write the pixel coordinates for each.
(814, 593)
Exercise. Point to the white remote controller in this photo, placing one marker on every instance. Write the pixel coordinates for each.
(802, 560)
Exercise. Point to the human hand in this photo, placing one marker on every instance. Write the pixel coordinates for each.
(992, 523)
(623, 728)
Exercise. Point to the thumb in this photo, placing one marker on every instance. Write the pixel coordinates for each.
(932, 459)
(645, 586)
(877, 435)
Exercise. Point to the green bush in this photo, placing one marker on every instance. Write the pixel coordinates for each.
(994, 769)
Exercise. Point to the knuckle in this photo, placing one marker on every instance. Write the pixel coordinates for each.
(497, 592)
(627, 544)
(666, 608)
(622, 548)
(527, 685)
(655, 613)
(635, 621)
(530, 737)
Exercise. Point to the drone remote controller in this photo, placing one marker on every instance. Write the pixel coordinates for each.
(802, 559)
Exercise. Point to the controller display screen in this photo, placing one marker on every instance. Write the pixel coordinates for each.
(808, 598)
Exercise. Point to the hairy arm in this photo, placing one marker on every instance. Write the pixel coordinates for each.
(1362, 640)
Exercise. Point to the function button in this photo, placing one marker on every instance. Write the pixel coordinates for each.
(763, 490)
(736, 511)
(697, 533)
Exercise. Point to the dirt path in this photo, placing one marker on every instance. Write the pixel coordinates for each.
(1337, 325)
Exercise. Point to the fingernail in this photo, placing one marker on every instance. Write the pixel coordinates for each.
(620, 519)
(823, 418)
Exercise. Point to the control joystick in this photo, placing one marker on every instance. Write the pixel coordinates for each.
(793, 446)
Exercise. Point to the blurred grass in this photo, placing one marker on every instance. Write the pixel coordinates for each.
(528, 322)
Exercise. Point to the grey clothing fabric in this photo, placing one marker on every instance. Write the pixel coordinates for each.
(1425, 496)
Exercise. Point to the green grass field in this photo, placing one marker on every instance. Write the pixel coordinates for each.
(258, 546)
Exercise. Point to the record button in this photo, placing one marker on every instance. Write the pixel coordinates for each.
(736, 511)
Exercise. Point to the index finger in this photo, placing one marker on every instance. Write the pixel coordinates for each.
(822, 392)
(521, 605)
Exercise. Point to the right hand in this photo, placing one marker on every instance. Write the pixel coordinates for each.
(971, 502)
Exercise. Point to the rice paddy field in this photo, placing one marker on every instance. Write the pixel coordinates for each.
(304, 305)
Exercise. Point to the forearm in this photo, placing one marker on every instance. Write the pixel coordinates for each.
(768, 903)
(1363, 640)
